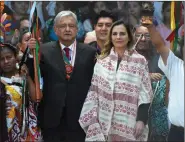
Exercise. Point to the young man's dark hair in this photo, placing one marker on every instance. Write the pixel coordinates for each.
(102, 24)
(104, 14)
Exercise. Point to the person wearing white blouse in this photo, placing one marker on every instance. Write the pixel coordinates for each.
(173, 67)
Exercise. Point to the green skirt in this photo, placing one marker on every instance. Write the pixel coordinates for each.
(158, 114)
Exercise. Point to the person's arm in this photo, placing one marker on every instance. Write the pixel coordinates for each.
(142, 114)
(166, 100)
(159, 43)
(144, 100)
(31, 85)
(31, 88)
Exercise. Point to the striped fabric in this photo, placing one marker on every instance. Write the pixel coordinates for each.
(110, 109)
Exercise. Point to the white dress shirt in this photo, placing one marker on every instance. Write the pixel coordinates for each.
(174, 70)
(72, 52)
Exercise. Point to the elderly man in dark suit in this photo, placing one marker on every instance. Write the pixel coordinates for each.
(67, 68)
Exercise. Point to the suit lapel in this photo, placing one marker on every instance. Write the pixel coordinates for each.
(58, 58)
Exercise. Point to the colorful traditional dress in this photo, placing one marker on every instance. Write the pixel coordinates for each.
(158, 114)
(14, 92)
(110, 109)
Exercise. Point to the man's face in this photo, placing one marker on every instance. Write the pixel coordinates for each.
(99, 6)
(134, 8)
(24, 24)
(144, 42)
(66, 29)
(21, 7)
(102, 28)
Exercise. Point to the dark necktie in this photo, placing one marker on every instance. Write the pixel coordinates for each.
(66, 49)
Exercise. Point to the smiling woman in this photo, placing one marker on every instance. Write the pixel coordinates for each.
(116, 106)
(120, 37)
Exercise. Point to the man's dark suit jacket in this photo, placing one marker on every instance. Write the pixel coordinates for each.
(95, 45)
(58, 92)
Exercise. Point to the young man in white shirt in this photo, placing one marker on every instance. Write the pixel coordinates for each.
(173, 68)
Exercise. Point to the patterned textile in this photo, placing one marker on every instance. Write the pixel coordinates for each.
(14, 116)
(158, 114)
(110, 109)
(68, 66)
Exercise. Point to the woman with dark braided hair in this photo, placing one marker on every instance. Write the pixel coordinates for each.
(19, 122)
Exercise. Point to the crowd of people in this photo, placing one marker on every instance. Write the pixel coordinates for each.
(105, 74)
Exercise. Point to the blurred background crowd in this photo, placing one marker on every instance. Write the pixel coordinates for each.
(86, 11)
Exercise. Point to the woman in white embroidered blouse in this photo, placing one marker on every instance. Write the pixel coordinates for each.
(116, 107)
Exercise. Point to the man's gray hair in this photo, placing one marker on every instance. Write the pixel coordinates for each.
(64, 14)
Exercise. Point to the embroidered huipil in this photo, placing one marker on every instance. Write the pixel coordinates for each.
(14, 116)
(110, 109)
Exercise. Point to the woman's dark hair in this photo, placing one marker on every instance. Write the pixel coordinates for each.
(3, 123)
(9, 46)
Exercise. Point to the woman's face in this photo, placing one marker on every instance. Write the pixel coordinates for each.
(21, 7)
(99, 6)
(119, 36)
(7, 60)
(166, 13)
(134, 9)
(25, 40)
